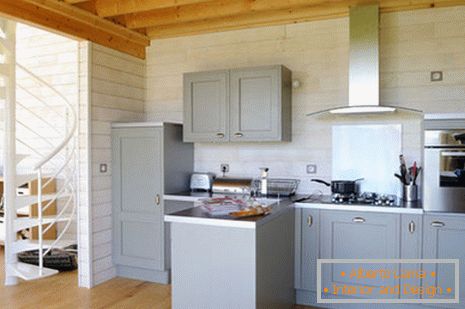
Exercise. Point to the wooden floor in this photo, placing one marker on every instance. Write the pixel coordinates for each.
(61, 291)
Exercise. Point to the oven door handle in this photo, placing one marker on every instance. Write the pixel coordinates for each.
(452, 154)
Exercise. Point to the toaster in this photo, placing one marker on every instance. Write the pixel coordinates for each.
(202, 181)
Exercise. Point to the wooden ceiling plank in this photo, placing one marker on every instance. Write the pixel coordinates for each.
(214, 9)
(107, 8)
(332, 9)
(32, 14)
(265, 18)
(223, 8)
(71, 12)
(75, 1)
(88, 6)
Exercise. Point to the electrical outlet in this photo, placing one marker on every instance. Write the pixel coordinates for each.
(224, 168)
(311, 169)
(436, 76)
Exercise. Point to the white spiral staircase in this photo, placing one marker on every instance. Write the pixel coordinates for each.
(50, 159)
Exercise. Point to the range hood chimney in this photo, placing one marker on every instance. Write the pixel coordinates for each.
(364, 61)
(363, 64)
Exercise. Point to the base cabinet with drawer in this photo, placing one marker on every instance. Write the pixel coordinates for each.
(239, 105)
(334, 234)
(444, 238)
(357, 235)
(148, 160)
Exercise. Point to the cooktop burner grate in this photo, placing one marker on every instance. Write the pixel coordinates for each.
(366, 198)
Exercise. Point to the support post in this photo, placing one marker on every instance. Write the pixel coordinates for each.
(10, 152)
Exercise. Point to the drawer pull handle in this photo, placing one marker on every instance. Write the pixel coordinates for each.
(238, 134)
(411, 227)
(358, 220)
(437, 224)
(309, 221)
(220, 135)
(157, 199)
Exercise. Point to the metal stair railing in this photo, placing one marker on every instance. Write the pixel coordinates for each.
(58, 161)
(68, 186)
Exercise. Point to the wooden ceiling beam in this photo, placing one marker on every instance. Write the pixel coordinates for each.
(65, 19)
(107, 8)
(257, 18)
(82, 16)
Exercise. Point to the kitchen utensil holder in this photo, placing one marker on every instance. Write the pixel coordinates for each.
(410, 193)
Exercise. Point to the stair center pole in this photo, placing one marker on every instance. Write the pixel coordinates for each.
(10, 152)
(40, 227)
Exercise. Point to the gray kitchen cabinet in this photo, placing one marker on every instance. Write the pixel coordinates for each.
(410, 248)
(250, 104)
(148, 160)
(170, 207)
(358, 235)
(233, 267)
(260, 105)
(444, 238)
(206, 106)
(307, 248)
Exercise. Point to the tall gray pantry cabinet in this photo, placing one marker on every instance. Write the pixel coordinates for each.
(149, 159)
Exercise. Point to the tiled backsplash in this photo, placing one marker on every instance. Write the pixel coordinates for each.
(413, 43)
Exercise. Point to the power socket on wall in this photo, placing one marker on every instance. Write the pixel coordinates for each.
(436, 76)
(224, 168)
(311, 169)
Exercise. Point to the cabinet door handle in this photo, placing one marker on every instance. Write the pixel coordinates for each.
(437, 224)
(157, 199)
(220, 135)
(309, 221)
(238, 134)
(411, 227)
(358, 220)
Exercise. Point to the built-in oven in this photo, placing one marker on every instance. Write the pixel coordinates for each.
(444, 178)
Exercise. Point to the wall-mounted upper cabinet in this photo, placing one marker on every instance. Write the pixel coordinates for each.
(206, 106)
(250, 104)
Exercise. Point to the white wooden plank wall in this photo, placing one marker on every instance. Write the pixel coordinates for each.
(117, 95)
(413, 43)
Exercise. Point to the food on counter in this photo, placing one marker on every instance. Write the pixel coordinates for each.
(251, 211)
(222, 206)
(235, 207)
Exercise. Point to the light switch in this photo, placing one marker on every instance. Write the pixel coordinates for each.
(103, 168)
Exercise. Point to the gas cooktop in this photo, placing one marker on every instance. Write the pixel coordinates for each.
(366, 198)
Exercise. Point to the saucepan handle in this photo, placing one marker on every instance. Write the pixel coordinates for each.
(322, 181)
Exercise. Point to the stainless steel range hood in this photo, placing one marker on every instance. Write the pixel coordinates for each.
(363, 64)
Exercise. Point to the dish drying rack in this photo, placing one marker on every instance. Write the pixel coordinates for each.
(278, 187)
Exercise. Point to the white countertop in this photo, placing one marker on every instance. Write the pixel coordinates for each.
(142, 124)
(368, 208)
(445, 116)
(185, 198)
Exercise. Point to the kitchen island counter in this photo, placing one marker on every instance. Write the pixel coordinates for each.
(197, 215)
(221, 262)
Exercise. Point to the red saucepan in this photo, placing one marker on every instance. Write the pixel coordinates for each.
(341, 186)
